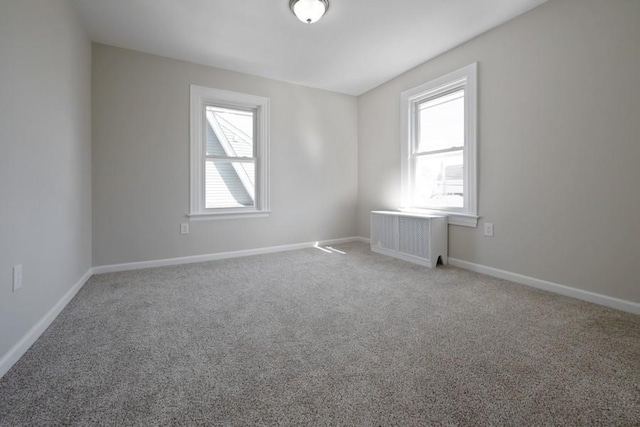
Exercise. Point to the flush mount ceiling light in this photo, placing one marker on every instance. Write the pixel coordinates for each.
(309, 11)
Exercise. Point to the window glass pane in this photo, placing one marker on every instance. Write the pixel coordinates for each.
(441, 122)
(439, 180)
(229, 184)
(229, 132)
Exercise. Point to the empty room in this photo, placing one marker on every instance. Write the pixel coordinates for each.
(319, 212)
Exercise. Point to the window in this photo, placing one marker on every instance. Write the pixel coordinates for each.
(229, 153)
(439, 147)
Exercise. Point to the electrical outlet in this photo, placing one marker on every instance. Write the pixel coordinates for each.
(184, 228)
(488, 229)
(17, 277)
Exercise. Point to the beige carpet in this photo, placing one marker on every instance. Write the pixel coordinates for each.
(315, 338)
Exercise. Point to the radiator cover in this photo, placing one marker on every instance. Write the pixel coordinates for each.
(421, 239)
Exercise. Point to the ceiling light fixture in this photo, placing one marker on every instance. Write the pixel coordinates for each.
(309, 11)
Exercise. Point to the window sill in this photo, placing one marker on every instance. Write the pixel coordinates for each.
(455, 218)
(227, 215)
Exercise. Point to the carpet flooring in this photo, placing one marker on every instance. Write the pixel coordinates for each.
(311, 337)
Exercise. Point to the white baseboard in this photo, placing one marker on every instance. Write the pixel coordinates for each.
(21, 347)
(362, 240)
(216, 256)
(618, 304)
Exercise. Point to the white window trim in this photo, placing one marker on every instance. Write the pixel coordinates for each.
(465, 77)
(200, 97)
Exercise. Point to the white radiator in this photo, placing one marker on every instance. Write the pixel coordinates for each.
(421, 239)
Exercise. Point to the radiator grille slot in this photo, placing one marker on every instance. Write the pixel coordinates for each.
(383, 233)
(413, 236)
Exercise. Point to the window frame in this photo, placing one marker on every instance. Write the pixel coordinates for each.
(200, 98)
(465, 78)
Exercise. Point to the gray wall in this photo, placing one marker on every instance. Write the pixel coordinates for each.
(559, 145)
(45, 159)
(141, 161)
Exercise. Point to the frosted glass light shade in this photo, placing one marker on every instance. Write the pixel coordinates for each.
(309, 11)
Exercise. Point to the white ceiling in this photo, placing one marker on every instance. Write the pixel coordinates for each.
(356, 46)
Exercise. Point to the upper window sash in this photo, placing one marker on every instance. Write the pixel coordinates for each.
(221, 107)
(436, 98)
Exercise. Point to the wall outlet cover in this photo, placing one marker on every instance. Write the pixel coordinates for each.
(488, 229)
(17, 277)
